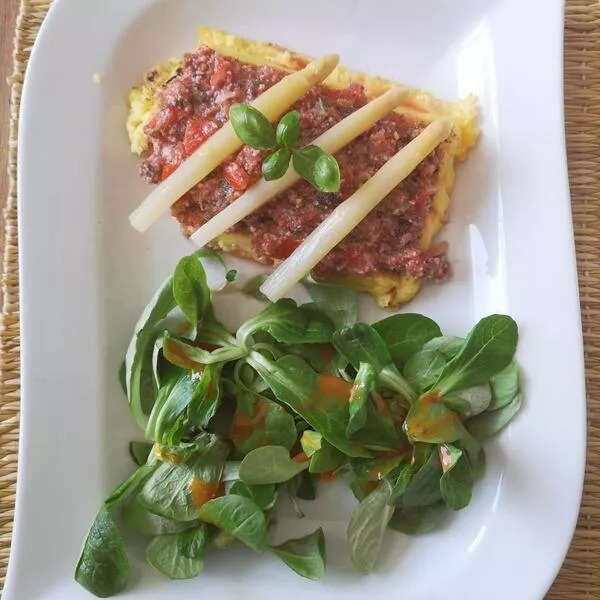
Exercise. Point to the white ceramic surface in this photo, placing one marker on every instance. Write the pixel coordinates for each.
(85, 275)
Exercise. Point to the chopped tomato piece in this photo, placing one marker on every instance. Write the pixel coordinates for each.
(197, 130)
(173, 159)
(219, 77)
(163, 118)
(284, 248)
(236, 177)
(167, 170)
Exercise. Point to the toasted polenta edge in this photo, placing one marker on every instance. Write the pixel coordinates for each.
(390, 290)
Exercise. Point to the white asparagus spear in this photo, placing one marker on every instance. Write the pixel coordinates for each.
(331, 141)
(272, 103)
(352, 211)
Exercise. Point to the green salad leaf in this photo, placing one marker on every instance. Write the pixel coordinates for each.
(139, 519)
(489, 348)
(165, 555)
(171, 490)
(269, 464)
(190, 290)
(364, 384)
(456, 483)
(139, 379)
(321, 400)
(505, 386)
(367, 527)
(288, 323)
(491, 422)
(103, 567)
(305, 555)
(405, 334)
(264, 496)
(139, 452)
(239, 517)
(418, 519)
(338, 302)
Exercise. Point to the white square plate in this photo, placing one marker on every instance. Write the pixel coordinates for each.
(85, 275)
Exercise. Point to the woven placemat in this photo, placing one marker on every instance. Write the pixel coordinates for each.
(580, 575)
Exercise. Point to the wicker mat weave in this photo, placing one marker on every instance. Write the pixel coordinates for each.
(579, 578)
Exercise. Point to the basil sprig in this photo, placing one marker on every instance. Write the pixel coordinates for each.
(312, 163)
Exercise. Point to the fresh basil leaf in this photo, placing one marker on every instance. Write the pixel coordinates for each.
(139, 452)
(176, 492)
(193, 541)
(190, 290)
(405, 334)
(489, 348)
(139, 378)
(470, 401)
(321, 400)
(139, 519)
(130, 484)
(456, 483)
(259, 421)
(264, 496)
(447, 345)
(305, 555)
(429, 420)
(338, 302)
(367, 527)
(276, 165)
(193, 358)
(418, 519)
(288, 324)
(103, 567)
(505, 386)
(163, 554)
(423, 369)
(424, 487)
(239, 517)
(491, 422)
(269, 464)
(364, 383)
(317, 167)
(288, 129)
(251, 126)
(252, 288)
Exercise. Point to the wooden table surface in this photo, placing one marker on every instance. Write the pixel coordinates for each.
(8, 15)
